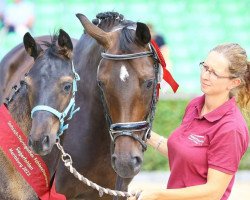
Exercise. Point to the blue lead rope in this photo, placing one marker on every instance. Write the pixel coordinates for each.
(69, 110)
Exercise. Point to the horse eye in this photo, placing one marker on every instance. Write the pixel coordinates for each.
(149, 83)
(67, 87)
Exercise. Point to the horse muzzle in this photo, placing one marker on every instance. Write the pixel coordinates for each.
(127, 163)
(41, 146)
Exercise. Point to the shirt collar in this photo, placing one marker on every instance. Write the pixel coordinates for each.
(217, 113)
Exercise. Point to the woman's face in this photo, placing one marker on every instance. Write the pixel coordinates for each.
(215, 75)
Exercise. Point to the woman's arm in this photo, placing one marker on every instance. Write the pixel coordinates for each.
(212, 190)
(159, 143)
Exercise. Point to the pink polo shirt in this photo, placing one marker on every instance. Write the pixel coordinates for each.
(217, 140)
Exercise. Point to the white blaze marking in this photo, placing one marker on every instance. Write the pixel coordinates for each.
(123, 73)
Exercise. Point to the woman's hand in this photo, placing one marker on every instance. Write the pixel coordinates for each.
(217, 183)
(145, 195)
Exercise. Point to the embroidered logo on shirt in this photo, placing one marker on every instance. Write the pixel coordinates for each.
(197, 139)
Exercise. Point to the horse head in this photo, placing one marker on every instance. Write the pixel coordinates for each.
(51, 86)
(127, 76)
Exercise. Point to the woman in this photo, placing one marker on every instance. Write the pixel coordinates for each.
(205, 151)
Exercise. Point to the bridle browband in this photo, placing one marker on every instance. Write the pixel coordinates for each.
(127, 129)
(126, 56)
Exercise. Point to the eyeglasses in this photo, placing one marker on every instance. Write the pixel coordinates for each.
(212, 74)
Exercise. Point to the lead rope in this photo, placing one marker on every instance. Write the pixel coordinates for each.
(68, 163)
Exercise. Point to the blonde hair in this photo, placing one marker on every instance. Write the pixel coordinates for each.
(239, 67)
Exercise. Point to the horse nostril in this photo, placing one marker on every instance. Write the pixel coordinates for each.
(30, 142)
(136, 161)
(46, 140)
(113, 158)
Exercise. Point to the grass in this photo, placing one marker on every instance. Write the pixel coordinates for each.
(168, 117)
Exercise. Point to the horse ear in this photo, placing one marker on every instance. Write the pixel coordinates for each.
(142, 33)
(102, 37)
(32, 48)
(64, 40)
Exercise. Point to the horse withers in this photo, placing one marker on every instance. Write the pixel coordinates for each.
(46, 91)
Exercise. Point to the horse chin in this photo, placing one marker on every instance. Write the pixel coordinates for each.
(42, 152)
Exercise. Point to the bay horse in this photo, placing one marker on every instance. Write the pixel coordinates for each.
(118, 82)
(49, 83)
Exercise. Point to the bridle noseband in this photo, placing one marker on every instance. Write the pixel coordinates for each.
(127, 129)
(70, 109)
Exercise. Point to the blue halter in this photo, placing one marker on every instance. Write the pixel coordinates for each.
(70, 108)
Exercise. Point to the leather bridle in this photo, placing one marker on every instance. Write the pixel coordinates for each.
(127, 129)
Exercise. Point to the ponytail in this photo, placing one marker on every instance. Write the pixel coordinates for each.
(243, 94)
(239, 67)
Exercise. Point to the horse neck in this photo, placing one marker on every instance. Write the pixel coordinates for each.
(87, 58)
(20, 110)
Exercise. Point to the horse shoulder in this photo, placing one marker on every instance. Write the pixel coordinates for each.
(12, 184)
